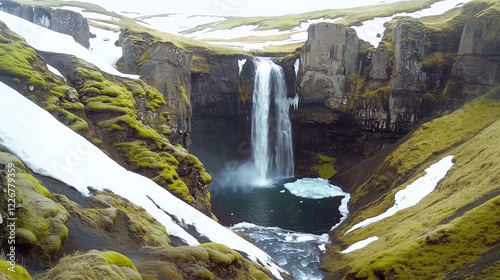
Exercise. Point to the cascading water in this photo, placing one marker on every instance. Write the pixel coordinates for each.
(271, 127)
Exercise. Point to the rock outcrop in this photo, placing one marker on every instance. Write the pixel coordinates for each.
(366, 98)
(221, 98)
(328, 57)
(166, 67)
(129, 119)
(478, 64)
(59, 20)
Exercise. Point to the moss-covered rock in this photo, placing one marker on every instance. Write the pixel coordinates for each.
(206, 261)
(24, 70)
(115, 215)
(7, 272)
(133, 122)
(93, 265)
(41, 222)
(325, 168)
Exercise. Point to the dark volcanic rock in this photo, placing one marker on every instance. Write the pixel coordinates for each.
(166, 67)
(329, 55)
(478, 65)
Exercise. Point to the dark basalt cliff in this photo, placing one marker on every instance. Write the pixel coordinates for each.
(166, 67)
(63, 21)
(363, 98)
(199, 80)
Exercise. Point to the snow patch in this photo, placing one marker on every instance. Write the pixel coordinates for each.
(414, 192)
(44, 39)
(296, 66)
(360, 245)
(55, 71)
(103, 45)
(372, 30)
(241, 63)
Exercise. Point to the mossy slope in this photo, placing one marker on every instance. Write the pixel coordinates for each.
(206, 261)
(41, 222)
(115, 215)
(26, 71)
(451, 230)
(124, 117)
(93, 265)
(131, 119)
(19, 272)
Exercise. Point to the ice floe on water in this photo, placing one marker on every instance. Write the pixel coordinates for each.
(414, 192)
(314, 188)
(360, 245)
(318, 188)
(299, 253)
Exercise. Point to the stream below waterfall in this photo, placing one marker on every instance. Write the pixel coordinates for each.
(258, 195)
(291, 229)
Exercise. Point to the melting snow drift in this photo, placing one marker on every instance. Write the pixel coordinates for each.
(360, 245)
(414, 192)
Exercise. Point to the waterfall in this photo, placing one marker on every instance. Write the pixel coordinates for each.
(271, 127)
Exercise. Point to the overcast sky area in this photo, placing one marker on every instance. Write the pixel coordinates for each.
(230, 7)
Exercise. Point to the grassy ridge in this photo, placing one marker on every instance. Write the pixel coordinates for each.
(349, 16)
(437, 236)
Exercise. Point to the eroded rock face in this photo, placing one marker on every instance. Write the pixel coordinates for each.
(329, 55)
(478, 64)
(363, 98)
(59, 20)
(166, 67)
(221, 97)
(407, 80)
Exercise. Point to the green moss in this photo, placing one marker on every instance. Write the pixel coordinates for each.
(360, 92)
(92, 265)
(449, 229)
(199, 64)
(325, 167)
(6, 158)
(26, 237)
(438, 59)
(222, 254)
(118, 259)
(20, 273)
(38, 187)
(41, 223)
(144, 58)
(165, 165)
(206, 261)
(184, 95)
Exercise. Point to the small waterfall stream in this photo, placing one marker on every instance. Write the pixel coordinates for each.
(272, 152)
